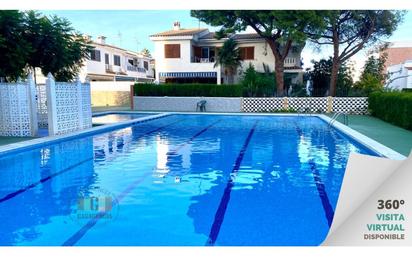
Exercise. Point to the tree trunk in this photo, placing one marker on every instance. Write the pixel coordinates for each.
(335, 64)
(279, 69)
(279, 65)
(334, 77)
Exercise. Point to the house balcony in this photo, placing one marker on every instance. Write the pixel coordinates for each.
(292, 62)
(135, 69)
(196, 59)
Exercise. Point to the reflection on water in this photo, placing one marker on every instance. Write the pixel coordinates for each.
(273, 201)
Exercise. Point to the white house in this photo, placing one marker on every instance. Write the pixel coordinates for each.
(400, 76)
(188, 55)
(112, 63)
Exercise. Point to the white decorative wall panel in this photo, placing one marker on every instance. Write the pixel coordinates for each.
(69, 106)
(15, 110)
(42, 105)
(86, 106)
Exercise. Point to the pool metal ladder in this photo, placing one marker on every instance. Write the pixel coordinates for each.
(336, 116)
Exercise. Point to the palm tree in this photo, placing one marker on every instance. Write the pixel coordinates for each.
(229, 58)
(146, 52)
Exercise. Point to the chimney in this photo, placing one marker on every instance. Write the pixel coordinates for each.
(87, 37)
(101, 39)
(176, 25)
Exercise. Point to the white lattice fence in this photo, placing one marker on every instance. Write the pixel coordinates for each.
(351, 105)
(313, 104)
(68, 106)
(86, 106)
(42, 105)
(17, 112)
(262, 104)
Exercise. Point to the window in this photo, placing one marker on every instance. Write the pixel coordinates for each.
(130, 61)
(247, 53)
(205, 52)
(95, 55)
(106, 58)
(116, 60)
(146, 65)
(172, 50)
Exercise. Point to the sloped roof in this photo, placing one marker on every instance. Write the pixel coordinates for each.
(180, 32)
(211, 35)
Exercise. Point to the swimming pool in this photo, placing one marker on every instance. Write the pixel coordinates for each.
(117, 117)
(179, 180)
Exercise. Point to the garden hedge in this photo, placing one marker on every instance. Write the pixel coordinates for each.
(188, 90)
(393, 107)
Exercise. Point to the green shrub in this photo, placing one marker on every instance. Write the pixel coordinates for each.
(393, 107)
(188, 90)
(257, 84)
(284, 110)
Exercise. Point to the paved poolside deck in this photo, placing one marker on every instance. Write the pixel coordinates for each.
(10, 140)
(394, 137)
(110, 108)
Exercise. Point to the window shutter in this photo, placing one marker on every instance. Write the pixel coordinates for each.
(242, 53)
(250, 53)
(172, 50)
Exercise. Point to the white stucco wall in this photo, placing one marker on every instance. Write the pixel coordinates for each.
(262, 55)
(186, 104)
(182, 64)
(400, 76)
(99, 67)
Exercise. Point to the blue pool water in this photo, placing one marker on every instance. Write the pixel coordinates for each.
(117, 117)
(179, 180)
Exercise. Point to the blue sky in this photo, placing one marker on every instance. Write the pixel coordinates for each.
(132, 25)
(136, 26)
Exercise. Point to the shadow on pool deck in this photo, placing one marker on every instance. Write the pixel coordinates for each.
(394, 137)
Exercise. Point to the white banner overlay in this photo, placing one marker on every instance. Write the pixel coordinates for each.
(375, 203)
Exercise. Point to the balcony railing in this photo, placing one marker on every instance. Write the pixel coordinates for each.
(290, 61)
(203, 60)
(135, 68)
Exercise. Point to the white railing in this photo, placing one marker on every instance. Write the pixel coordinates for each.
(290, 61)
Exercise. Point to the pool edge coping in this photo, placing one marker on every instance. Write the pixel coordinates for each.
(364, 140)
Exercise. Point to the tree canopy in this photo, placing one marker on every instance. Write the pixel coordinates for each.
(279, 28)
(49, 43)
(350, 31)
(14, 49)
